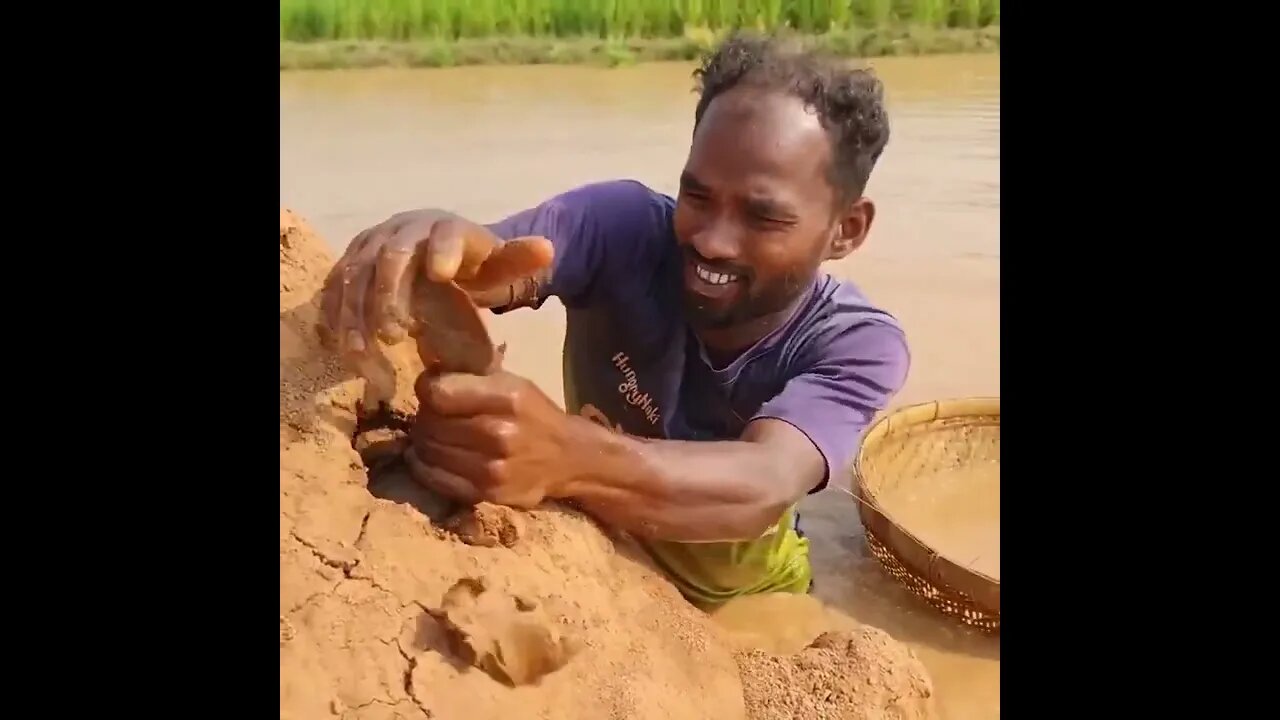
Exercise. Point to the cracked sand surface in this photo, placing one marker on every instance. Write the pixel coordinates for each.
(363, 585)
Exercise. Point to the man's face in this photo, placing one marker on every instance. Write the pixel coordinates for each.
(756, 213)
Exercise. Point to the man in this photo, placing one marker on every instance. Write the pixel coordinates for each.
(714, 376)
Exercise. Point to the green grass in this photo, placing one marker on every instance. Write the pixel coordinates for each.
(424, 21)
(441, 33)
(523, 50)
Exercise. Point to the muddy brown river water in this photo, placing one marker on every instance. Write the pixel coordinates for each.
(357, 146)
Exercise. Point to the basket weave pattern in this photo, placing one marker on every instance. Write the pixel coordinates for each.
(948, 601)
(916, 441)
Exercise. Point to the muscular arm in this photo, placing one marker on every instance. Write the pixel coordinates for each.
(736, 489)
(694, 491)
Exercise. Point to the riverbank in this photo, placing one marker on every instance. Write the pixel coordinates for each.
(340, 54)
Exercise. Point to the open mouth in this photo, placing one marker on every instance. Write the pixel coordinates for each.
(711, 277)
(711, 285)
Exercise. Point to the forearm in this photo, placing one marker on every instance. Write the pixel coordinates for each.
(679, 491)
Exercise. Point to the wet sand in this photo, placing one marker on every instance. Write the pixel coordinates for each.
(359, 146)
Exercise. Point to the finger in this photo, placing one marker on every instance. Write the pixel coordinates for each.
(357, 347)
(357, 274)
(512, 261)
(478, 246)
(457, 249)
(393, 281)
(490, 297)
(484, 434)
(331, 295)
(331, 304)
(359, 242)
(441, 481)
(459, 394)
(465, 463)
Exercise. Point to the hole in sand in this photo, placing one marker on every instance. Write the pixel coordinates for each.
(381, 438)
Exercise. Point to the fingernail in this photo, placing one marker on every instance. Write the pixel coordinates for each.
(355, 343)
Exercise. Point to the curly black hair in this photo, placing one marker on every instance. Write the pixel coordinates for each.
(849, 101)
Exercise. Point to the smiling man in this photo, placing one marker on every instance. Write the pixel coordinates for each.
(714, 374)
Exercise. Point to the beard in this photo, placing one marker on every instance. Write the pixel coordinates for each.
(755, 304)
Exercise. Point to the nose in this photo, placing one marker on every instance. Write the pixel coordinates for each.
(718, 240)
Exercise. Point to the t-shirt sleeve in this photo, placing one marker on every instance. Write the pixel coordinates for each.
(602, 233)
(843, 381)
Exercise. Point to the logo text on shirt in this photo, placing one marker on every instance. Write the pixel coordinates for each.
(630, 390)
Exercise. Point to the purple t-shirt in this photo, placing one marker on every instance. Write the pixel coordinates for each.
(632, 363)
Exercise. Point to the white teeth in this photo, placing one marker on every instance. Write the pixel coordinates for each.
(714, 278)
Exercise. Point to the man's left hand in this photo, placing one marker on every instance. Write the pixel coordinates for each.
(496, 438)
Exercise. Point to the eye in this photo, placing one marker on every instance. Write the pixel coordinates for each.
(768, 223)
(697, 197)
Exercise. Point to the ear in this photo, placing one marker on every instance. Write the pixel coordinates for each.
(851, 231)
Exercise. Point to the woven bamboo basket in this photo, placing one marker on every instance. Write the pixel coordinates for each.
(914, 442)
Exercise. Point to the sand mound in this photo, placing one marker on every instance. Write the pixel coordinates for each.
(848, 675)
(486, 612)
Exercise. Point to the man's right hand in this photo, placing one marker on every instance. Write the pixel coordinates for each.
(368, 292)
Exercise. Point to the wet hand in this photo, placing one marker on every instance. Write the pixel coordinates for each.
(496, 438)
(368, 293)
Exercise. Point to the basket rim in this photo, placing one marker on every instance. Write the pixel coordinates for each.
(939, 569)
